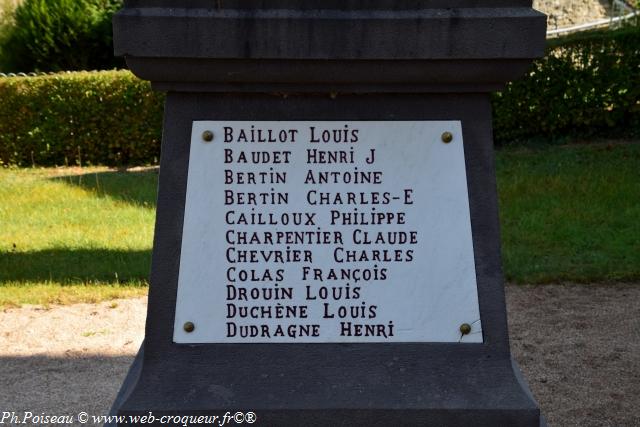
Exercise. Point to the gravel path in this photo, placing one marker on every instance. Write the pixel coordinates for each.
(67, 359)
(579, 348)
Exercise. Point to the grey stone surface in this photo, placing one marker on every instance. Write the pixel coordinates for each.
(413, 46)
(464, 33)
(223, 63)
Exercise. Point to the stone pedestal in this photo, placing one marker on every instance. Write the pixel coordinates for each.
(378, 60)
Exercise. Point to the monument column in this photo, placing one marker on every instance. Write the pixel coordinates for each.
(327, 246)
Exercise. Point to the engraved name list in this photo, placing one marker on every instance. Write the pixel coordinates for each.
(325, 232)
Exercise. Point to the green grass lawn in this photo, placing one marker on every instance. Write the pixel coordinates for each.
(568, 213)
(70, 235)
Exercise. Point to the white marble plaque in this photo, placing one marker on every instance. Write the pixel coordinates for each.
(327, 232)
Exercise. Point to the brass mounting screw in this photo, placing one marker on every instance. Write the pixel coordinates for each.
(447, 137)
(207, 136)
(189, 327)
(465, 329)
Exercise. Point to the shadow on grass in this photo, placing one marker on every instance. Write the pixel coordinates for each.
(70, 266)
(135, 187)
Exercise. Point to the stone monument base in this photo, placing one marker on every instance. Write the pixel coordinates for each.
(331, 60)
(362, 385)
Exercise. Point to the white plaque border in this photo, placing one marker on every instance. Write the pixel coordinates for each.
(446, 242)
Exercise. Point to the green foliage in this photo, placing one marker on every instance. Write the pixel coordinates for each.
(587, 85)
(6, 23)
(109, 118)
(55, 35)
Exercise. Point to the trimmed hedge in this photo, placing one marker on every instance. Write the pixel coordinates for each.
(108, 118)
(587, 85)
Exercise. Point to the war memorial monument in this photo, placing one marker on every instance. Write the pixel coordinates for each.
(327, 247)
